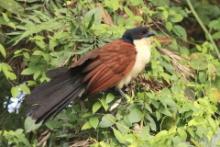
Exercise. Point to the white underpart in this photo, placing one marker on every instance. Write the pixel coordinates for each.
(143, 48)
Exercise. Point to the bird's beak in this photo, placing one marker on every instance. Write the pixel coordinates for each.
(149, 34)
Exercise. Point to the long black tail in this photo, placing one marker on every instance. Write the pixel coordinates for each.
(50, 98)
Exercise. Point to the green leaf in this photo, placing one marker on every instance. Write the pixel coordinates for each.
(94, 121)
(2, 50)
(216, 35)
(151, 123)
(96, 107)
(12, 6)
(199, 61)
(25, 88)
(109, 98)
(215, 24)
(107, 121)
(86, 126)
(160, 2)
(174, 16)
(136, 2)
(7, 70)
(119, 136)
(30, 125)
(180, 31)
(169, 26)
(113, 4)
(104, 104)
(135, 115)
(27, 71)
(15, 91)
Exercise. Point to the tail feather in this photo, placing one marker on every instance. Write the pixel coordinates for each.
(60, 107)
(49, 99)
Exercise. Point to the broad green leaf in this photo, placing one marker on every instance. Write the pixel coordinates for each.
(180, 31)
(135, 115)
(109, 98)
(216, 35)
(175, 17)
(119, 136)
(94, 121)
(152, 123)
(27, 71)
(7, 70)
(30, 125)
(169, 26)
(2, 50)
(86, 126)
(15, 91)
(199, 61)
(104, 104)
(215, 24)
(96, 107)
(25, 88)
(107, 121)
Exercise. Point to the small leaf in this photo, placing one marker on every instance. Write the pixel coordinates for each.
(136, 2)
(109, 98)
(160, 2)
(27, 71)
(94, 121)
(2, 50)
(96, 107)
(104, 104)
(30, 125)
(25, 88)
(169, 26)
(15, 91)
(107, 121)
(180, 31)
(86, 126)
(215, 24)
(7, 70)
(216, 35)
(112, 4)
(91, 22)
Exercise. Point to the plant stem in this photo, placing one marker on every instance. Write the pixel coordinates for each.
(203, 27)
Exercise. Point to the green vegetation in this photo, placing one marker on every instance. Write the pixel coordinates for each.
(169, 105)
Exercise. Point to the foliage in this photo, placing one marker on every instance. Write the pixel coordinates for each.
(38, 35)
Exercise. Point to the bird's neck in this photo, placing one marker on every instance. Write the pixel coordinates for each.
(143, 48)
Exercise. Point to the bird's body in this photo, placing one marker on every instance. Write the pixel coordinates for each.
(113, 65)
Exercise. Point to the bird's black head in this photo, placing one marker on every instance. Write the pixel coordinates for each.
(136, 33)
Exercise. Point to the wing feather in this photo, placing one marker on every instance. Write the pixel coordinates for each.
(115, 60)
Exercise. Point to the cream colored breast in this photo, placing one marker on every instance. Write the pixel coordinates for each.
(143, 48)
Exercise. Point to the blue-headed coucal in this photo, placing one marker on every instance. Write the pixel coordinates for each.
(113, 65)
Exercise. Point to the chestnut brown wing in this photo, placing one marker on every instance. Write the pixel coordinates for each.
(113, 61)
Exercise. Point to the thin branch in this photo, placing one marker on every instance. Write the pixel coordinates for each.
(203, 27)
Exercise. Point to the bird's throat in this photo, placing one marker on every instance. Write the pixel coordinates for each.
(143, 49)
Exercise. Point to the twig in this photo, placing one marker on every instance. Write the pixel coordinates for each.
(203, 27)
(186, 71)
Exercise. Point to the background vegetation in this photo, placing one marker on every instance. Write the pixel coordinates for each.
(167, 105)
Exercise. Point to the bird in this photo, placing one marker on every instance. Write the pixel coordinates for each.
(113, 65)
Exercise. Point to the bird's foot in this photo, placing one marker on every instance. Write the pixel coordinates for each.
(127, 97)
